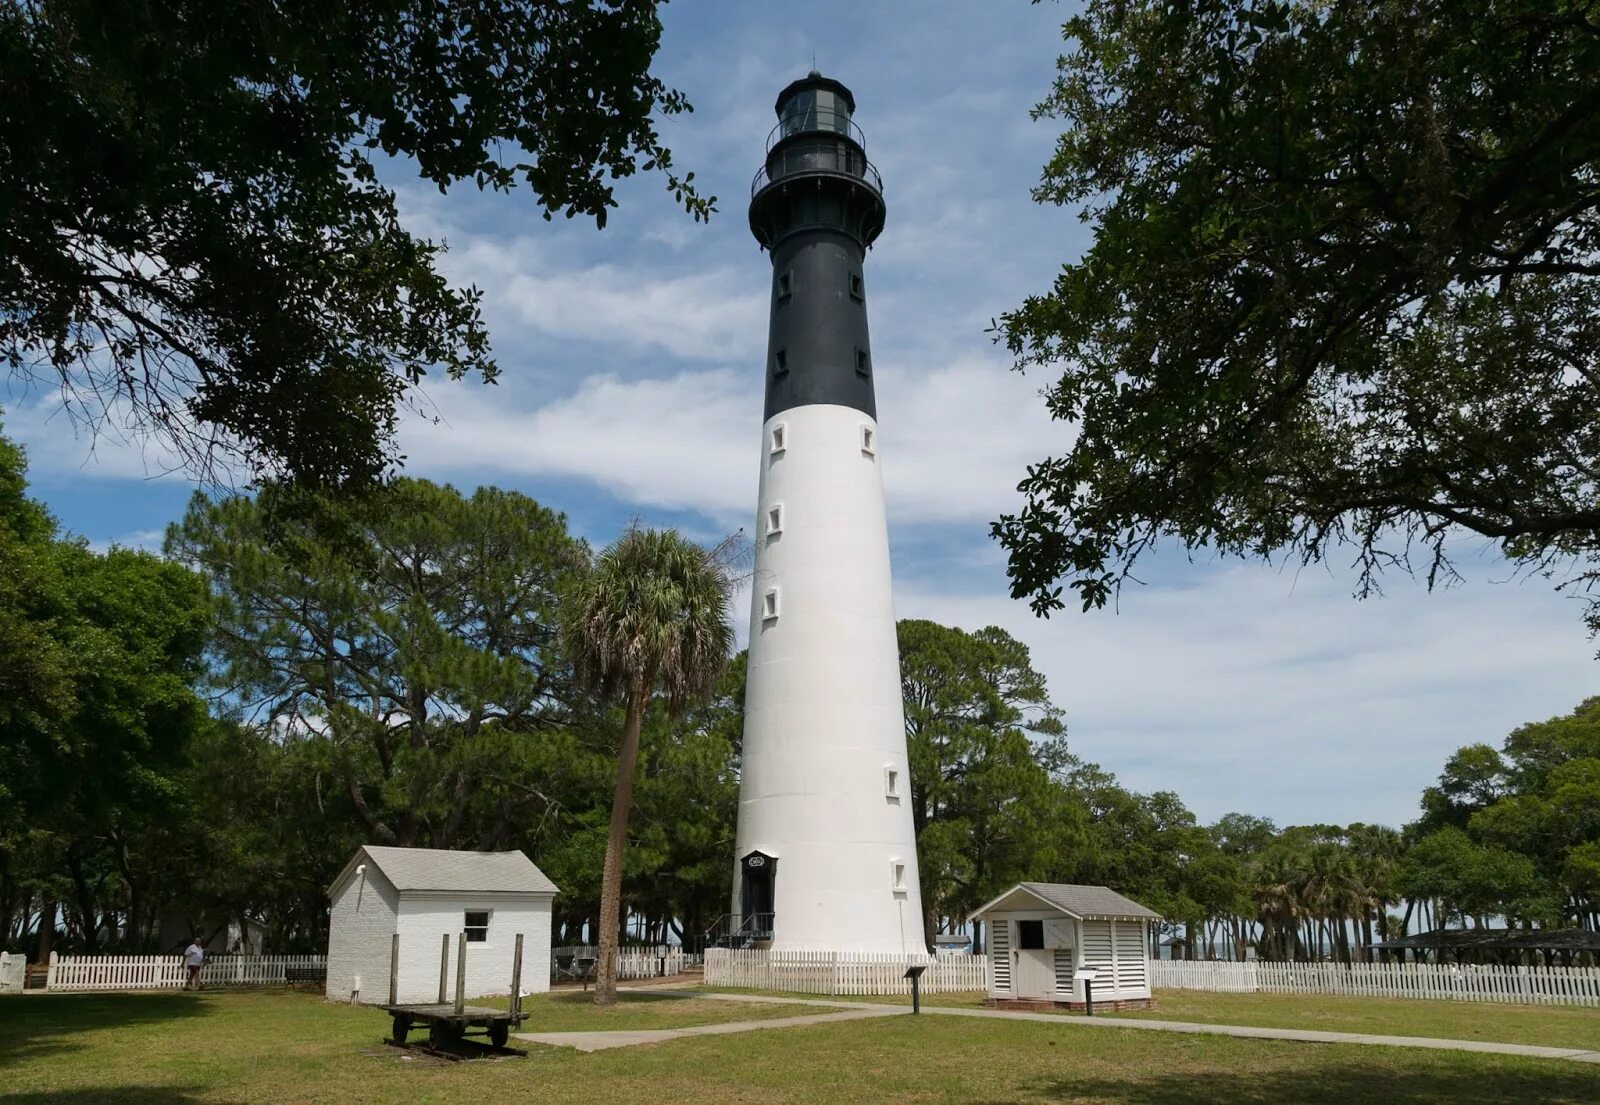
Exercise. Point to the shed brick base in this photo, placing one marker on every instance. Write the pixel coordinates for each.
(1031, 1005)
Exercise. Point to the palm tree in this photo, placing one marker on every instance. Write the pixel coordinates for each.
(650, 617)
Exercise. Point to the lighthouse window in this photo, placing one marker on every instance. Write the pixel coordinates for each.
(897, 875)
(780, 362)
(863, 364)
(769, 605)
(868, 441)
(891, 783)
(785, 286)
(780, 438)
(774, 519)
(856, 291)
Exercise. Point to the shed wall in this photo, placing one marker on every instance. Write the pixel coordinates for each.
(426, 918)
(360, 924)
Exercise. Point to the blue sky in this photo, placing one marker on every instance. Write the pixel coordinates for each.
(632, 378)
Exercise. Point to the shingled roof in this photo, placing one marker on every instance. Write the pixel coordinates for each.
(463, 872)
(1080, 901)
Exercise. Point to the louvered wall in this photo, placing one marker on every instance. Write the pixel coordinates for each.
(1064, 971)
(1132, 979)
(1097, 948)
(1000, 955)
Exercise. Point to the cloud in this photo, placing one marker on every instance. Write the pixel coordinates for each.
(956, 439)
(1251, 689)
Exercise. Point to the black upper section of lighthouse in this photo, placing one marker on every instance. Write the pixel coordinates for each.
(816, 206)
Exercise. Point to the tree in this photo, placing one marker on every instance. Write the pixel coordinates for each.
(407, 635)
(650, 616)
(1342, 289)
(981, 805)
(194, 222)
(96, 711)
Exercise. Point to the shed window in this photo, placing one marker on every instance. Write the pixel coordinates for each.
(476, 924)
(1030, 934)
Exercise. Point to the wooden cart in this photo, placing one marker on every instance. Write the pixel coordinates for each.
(449, 1022)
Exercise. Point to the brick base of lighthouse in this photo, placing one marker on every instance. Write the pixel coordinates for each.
(1032, 1005)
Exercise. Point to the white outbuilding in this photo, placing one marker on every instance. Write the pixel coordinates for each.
(1047, 940)
(426, 895)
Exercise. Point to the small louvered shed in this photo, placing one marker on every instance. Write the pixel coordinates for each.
(1045, 939)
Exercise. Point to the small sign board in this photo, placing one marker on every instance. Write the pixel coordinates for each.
(915, 972)
(1086, 976)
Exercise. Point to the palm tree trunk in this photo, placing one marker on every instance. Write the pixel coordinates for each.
(605, 971)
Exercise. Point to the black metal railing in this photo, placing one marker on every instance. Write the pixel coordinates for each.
(837, 163)
(733, 931)
(826, 120)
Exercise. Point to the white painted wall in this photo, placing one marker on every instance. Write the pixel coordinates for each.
(426, 917)
(360, 924)
(823, 713)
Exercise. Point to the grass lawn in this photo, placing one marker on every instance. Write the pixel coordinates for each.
(574, 1010)
(1550, 1025)
(274, 1048)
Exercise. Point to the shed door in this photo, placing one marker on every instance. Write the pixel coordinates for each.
(1036, 964)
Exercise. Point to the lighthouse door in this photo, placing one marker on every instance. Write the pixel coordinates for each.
(758, 871)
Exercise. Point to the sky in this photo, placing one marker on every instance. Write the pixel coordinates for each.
(631, 389)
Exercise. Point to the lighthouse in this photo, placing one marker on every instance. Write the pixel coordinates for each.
(825, 858)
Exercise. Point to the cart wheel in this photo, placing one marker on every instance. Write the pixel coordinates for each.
(439, 1034)
(402, 1025)
(499, 1033)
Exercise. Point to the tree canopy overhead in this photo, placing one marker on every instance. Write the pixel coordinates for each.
(1344, 289)
(195, 230)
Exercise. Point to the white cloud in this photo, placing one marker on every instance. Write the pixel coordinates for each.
(956, 439)
(1249, 689)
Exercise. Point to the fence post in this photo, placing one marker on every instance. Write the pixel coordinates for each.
(461, 972)
(394, 969)
(50, 972)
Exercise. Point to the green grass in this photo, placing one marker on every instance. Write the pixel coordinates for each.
(575, 1010)
(1550, 1025)
(273, 1048)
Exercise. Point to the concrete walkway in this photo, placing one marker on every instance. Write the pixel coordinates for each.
(855, 1010)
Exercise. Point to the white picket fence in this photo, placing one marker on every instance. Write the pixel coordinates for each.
(1436, 981)
(834, 973)
(13, 972)
(633, 962)
(166, 972)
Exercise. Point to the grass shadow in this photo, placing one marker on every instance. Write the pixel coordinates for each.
(118, 1096)
(1357, 1080)
(33, 1025)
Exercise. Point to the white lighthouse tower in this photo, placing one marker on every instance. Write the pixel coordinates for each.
(826, 855)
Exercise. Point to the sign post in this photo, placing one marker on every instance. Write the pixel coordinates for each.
(1087, 978)
(915, 975)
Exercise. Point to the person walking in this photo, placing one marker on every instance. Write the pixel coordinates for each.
(194, 957)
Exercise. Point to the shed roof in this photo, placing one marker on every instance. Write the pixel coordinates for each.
(445, 870)
(1079, 901)
(1498, 939)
